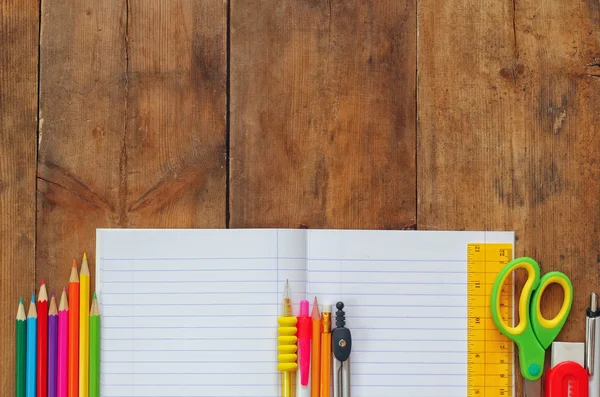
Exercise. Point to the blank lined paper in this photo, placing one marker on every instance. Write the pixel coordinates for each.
(193, 313)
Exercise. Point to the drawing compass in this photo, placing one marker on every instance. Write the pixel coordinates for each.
(342, 345)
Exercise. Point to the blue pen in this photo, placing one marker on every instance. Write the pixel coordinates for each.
(31, 349)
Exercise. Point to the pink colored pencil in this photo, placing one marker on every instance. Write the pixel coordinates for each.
(63, 345)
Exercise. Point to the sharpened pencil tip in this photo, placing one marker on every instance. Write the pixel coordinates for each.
(33, 297)
(286, 290)
(74, 264)
(21, 300)
(53, 294)
(95, 295)
(64, 289)
(85, 256)
(43, 282)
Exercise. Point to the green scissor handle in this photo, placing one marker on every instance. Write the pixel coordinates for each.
(534, 333)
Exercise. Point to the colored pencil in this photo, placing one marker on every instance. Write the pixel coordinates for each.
(63, 340)
(315, 354)
(84, 328)
(21, 350)
(73, 364)
(31, 349)
(42, 342)
(52, 346)
(94, 349)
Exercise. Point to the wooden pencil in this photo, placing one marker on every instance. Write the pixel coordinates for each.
(84, 328)
(52, 346)
(315, 354)
(73, 363)
(31, 349)
(42, 342)
(63, 340)
(94, 349)
(21, 350)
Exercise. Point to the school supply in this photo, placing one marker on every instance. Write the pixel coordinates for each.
(490, 358)
(592, 346)
(287, 344)
(315, 359)
(341, 339)
(63, 341)
(194, 311)
(304, 333)
(30, 375)
(84, 328)
(566, 376)
(73, 363)
(42, 342)
(534, 333)
(52, 347)
(94, 382)
(21, 350)
(325, 388)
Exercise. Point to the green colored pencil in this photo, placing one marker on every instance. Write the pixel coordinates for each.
(94, 386)
(21, 349)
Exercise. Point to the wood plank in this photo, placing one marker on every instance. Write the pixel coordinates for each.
(133, 101)
(19, 27)
(323, 114)
(508, 132)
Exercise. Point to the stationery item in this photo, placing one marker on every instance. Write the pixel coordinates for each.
(567, 351)
(567, 376)
(287, 344)
(325, 390)
(592, 346)
(315, 358)
(21, 350)
(63, 341)
(42, 342)
(84, 328)
(52, 346)
(342, 346)
(30, 375)
(534, 333)
(304, 334)
(192, 312)
(490, 354)
(94, 349)
(73, 363)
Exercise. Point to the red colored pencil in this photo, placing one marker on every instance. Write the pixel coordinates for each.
(42, 345)
(73, 364)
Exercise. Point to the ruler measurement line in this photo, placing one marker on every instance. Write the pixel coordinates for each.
(490, 358)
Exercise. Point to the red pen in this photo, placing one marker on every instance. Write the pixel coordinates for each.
(304, 335)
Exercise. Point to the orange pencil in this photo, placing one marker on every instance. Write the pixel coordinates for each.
(326, 352)
(73, 362)
(315, 354)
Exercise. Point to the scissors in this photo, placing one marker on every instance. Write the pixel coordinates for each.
(534, 333)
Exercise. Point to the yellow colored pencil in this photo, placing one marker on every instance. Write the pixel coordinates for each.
(84, 328)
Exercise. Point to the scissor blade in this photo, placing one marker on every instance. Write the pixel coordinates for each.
(533, 388)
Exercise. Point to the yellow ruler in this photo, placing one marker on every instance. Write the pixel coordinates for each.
(490, 354)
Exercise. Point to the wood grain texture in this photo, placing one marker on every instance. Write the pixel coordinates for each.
(322, 114)
(133, 133)
(508, 132)
(19, 26)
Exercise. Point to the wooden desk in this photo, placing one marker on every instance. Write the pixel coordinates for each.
(148, 113)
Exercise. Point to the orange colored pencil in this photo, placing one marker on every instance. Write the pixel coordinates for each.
(42, 345)
(73, 361)
(315, 354)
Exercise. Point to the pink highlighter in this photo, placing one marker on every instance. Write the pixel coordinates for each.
(304, 335)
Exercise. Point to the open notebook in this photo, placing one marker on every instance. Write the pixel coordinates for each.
(193, 313)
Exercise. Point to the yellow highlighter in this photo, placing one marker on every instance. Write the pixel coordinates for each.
(287, 345)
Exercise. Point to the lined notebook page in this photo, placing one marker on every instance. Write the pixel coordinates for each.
(193, 313)
(405, 297)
